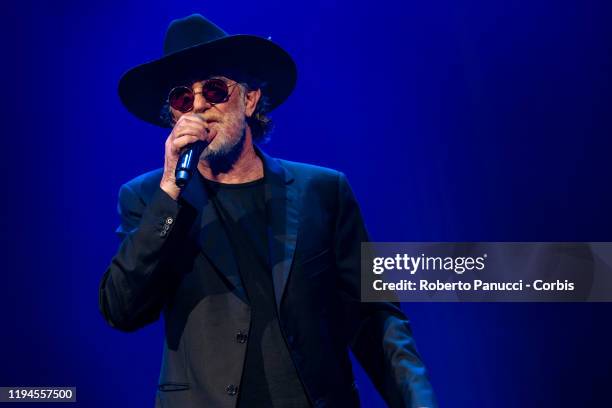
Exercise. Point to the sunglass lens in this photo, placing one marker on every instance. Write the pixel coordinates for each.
(181, 99)
(215, 91)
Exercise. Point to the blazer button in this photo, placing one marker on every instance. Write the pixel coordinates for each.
(241, 337)
(231, 389)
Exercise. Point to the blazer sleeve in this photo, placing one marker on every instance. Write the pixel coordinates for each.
(382, 338)
(131, 292)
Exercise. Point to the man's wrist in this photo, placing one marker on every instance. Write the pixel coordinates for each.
(170, 188)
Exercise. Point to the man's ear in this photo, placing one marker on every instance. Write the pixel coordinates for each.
(251, 99)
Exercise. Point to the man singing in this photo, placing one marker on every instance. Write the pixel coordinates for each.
(255, 262)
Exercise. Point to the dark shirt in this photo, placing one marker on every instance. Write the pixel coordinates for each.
(269, 378)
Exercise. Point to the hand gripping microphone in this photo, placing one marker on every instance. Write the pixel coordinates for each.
(188, 162)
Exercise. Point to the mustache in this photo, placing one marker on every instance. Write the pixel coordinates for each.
(210, 118)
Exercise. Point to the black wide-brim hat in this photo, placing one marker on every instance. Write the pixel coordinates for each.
(195, 48)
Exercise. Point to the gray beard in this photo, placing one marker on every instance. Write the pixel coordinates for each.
(222, 160)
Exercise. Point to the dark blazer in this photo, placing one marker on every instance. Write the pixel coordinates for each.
(176, 258)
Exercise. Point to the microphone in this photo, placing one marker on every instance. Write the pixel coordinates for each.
(188, 162)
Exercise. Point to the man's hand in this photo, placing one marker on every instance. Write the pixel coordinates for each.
(188, 129)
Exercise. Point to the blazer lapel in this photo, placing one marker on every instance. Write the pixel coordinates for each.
(282, 207)
(211, 235)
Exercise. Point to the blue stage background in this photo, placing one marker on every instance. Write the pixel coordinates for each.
(454, 121)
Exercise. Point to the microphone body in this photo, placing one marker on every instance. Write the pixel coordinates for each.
(188, 162)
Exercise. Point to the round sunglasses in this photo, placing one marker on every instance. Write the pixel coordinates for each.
(214, 91)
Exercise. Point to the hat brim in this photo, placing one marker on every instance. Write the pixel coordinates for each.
(144, 89)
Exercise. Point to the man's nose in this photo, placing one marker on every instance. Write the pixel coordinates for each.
(200, 104)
